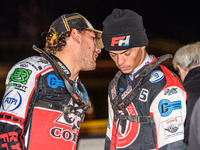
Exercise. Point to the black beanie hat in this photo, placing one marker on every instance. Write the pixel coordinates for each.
(123, 29)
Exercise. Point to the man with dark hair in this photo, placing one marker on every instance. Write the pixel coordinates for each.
(146, 101)
(187, 62)
(45, 101)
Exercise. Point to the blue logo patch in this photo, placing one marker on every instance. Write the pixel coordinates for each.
(166, 107)
(54, 82)
(156, 76)
(9, 103)
(121, 89)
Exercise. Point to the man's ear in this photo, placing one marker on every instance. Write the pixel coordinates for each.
(181, 70)
(75, 35)
(183, 73)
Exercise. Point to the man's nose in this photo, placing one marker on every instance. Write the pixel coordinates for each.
(120, 60)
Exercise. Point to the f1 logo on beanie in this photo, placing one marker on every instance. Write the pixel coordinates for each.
(121, 41)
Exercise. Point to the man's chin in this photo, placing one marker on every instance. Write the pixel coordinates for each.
(91, 68)
(126, 71)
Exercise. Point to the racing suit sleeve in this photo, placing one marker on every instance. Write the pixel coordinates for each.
(20, 88)
(109, 134)
(169, 111)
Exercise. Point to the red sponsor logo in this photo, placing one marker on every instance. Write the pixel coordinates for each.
(50, 130)
(120, 41)
(128, 133)
(10, 140)
(66, 135)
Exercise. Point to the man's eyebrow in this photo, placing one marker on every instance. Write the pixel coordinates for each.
(119, 53)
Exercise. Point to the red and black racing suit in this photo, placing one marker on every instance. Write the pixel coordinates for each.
(31, 114)
(161, 97)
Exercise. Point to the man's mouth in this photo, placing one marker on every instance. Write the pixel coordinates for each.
(123, 68)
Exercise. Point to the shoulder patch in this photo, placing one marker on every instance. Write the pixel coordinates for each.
(156, 76)
(166, 107)
(54, 82)
(11, 101)
(173, 127)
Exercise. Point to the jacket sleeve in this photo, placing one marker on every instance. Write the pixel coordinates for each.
(194, 138)
(20, 85)
(169, 110)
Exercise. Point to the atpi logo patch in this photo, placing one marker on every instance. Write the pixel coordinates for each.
(120, 41)
(11, 101)
(166, 107)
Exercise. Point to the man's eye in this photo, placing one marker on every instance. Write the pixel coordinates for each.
(112, 55)
(127, 54)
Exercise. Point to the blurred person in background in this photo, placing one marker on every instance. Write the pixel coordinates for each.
(194, 137)
(187, 62)
(146, 100)
(44, 101)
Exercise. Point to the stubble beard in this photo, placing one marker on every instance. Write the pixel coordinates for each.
(86, 65)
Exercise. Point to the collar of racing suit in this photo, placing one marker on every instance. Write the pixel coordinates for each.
(63, 67)
(148, 59)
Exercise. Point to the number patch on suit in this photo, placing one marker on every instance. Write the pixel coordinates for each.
(144, 95)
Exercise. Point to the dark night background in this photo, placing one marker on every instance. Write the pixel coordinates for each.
(169, 24)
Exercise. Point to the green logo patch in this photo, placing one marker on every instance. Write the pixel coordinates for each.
(20, 75)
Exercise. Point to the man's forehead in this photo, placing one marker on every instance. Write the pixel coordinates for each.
(90, 31)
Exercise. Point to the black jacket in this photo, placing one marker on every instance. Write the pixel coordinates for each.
(194, 139)
(192, 86)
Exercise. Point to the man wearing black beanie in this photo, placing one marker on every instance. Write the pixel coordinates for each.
(146, 101)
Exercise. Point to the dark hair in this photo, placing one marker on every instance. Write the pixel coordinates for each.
(60, 41)
(57, 44)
